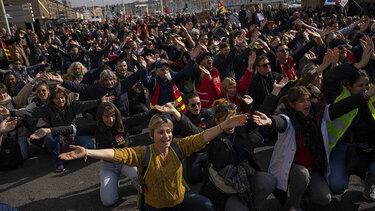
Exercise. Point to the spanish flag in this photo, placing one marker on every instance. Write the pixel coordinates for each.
(222, 9)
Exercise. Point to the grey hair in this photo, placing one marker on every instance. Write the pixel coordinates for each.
(107, 74)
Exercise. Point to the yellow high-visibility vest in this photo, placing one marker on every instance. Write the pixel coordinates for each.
(337, 128)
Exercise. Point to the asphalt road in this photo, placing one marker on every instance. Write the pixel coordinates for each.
(35, 186)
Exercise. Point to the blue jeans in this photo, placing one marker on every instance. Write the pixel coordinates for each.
(192, 201)
(109, 175)
(6, 207)
(24, 146)
(53, 144)
(339, 178)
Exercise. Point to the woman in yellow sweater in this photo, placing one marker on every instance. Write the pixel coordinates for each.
(164, 179)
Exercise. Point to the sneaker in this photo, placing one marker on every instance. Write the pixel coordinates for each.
(60, 167)
(369, 192)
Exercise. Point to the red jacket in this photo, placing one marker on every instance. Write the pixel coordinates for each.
(209, 90)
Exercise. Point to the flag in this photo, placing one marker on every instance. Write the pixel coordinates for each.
(147, 12)
(343, 2)
(91, 12)
(166, 10)
(222, 9)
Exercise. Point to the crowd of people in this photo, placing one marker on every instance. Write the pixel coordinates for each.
(299, 78)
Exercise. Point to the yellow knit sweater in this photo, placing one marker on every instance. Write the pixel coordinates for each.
(164, 177)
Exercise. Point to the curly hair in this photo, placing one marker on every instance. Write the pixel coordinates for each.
(70, 70)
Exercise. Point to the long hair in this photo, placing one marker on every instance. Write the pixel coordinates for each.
(293, 95)
(227, 82)
(107, 107)
(70, 70)
(53, 96)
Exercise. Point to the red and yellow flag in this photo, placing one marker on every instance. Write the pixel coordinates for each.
(222, 9)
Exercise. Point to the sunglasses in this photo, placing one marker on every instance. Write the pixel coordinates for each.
(265, 65)
(195, 104)
(284, 50)
(341, 47)
(225, 108)
(77, 68)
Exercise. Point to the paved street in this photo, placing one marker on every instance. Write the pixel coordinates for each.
(35, 186)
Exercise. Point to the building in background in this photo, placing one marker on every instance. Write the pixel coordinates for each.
(45, 12)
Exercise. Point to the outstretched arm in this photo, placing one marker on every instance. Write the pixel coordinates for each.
(80, 152)
(231, 121)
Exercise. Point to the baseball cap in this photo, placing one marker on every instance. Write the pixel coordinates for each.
(161, 62)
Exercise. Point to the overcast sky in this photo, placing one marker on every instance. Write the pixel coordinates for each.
(78, 3)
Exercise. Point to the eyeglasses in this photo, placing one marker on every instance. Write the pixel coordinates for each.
(77, 68)
(284, 50)
(265, 65)
(225, 108)
(195, 104)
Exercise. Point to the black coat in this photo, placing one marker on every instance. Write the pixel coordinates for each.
(96, 91)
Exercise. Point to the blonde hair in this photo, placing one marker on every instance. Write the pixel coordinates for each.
(229, 81)
(156, 121)
(75, 64)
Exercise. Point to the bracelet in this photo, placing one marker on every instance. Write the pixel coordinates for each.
(85, 154)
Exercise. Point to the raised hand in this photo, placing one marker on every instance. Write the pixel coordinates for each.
(195, 52)
(142, 62)
(261, 119)
(183, 28)
(168, 108)
(326, 31)
(4, 111)
(78, 152)
(107, 98)
(281, 83)
(56, 77)
(205, 71)
(247, 99)
(40, 133)
(251, 61)
(263, 23)
(150, 59)
(233, 120)
(367, 52)
(6, 126)
(310, 55)
(134, 57)
(179, 42)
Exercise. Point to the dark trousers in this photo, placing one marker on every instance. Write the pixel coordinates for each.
(192, 201)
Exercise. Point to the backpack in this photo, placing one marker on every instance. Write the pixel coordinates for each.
(10, 154)
(145, 166)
